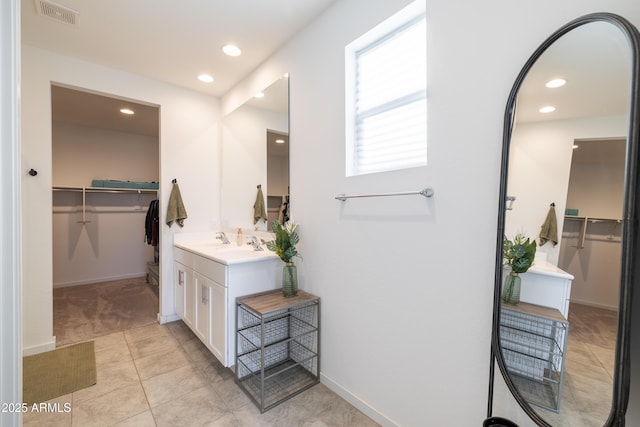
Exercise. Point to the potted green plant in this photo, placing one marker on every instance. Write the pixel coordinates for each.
(284, 245)
(518, 255)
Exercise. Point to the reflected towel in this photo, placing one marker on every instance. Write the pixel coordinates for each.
(549, 229)
(259, 210)
(175, 209)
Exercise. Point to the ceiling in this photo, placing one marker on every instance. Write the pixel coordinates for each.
(166, 40)
(172, 41)
(595, 61)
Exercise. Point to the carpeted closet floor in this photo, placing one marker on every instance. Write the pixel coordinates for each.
(84, 312)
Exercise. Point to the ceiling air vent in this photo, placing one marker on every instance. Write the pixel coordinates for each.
(58, 12)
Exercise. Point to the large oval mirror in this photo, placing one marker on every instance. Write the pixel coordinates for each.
(255, 152)
(569, 184)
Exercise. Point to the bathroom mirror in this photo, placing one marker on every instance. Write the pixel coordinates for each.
(563, 351)
(255, 152)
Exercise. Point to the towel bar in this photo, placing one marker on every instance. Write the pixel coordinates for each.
(426, 192)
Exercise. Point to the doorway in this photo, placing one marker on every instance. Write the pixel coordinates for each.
(105, 174)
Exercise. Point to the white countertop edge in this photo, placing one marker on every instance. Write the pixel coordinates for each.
(547, 269)
(228, 258)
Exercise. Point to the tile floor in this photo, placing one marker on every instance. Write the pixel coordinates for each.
(162, 375)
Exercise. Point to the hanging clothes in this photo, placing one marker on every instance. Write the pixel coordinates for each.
(151, 224)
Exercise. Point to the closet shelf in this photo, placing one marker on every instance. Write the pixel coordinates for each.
(585, 221)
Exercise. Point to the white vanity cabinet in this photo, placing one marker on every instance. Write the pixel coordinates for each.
(206, 290)
(546, 285)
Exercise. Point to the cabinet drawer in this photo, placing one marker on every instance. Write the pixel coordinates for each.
(183, 257)
(211, 269)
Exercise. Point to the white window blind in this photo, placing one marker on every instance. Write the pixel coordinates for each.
(389, 129)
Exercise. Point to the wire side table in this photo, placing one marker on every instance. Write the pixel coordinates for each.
(277, 346)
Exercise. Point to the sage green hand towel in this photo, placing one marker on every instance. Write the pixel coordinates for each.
(549, 229)
(175, 209)
(259, 210)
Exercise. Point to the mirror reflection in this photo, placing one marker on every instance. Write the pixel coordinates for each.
(566, 179)
(255, 155)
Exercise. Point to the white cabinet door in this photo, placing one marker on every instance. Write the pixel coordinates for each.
(189, 299)
(180, 277)
(218, 342)
(203, 307)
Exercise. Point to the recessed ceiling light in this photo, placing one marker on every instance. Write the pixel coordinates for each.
(547, 109)
(575, 146)
(259, 95)
(127, 111)
(231, 50)
(279, 141)
(552, 84)
(206, 78)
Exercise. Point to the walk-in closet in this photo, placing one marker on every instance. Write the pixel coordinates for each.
(590, 248)
(105, 173)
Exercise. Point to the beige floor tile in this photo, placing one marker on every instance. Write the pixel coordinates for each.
(110, 408)
(215, 371)
(249, 416)
(201, 407)
(113, 354)
(111, 376)
(160, 363)
(232, 395)
(606, 357)
(104, 342)
(341, 414)
(168, 386)
(144, 419)
(57, 413)
(180, 331)
(146, 332)
(151, 345)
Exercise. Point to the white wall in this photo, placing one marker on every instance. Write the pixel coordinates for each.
(407, 283)
(189, 151)
(244, 164)
(83, 153)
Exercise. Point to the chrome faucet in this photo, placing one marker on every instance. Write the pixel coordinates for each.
(255, 243)
(223, 237)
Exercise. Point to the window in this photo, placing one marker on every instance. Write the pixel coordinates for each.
(386, 95)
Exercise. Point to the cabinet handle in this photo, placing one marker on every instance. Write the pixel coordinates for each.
(204, 295)
(180, 277)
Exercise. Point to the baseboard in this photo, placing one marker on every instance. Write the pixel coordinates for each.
(40, 348)
(360, 404)
(103, 279)
(167, 319)
(592, 304)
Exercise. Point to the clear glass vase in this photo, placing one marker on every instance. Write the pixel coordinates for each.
(511, 289)
(289, 280)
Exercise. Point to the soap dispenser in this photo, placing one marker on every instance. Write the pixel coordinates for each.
(239, 240)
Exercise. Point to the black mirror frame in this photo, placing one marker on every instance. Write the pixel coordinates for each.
(630, 217)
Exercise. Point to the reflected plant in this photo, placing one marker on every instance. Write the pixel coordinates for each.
(519, 253)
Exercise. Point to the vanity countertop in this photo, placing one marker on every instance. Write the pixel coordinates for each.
(206, 245)
(547, 269)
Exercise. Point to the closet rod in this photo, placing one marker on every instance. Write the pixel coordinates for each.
(426, 192)
(105, 190)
